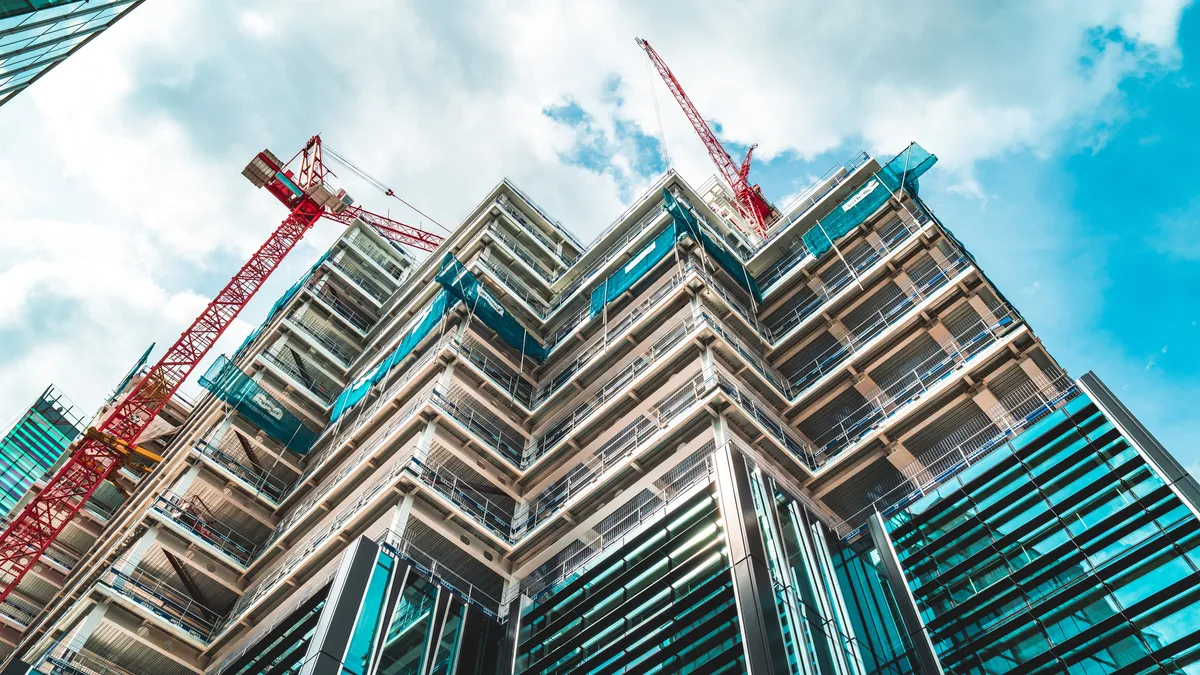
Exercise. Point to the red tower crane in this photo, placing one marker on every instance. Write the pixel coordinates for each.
(750, 201)
(104, 448)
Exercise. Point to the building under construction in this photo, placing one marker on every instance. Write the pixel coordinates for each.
(724, 437)
(681, 448)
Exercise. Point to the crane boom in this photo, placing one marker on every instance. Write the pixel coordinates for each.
(113, 441)
(104, 448)
(751, 203)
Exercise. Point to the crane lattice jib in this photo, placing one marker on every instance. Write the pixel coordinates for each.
(751, 203)
(392, 230)
(93, 460)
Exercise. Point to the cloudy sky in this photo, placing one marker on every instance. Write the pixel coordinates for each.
(1066, 132)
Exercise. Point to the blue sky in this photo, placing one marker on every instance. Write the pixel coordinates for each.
(1064, 130)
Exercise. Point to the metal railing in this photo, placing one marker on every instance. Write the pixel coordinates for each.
(514, 285)
(532, 230)
(256, 480)
(322, 290)
(912, 294)
(428, 566)
(492, 516)
(361, 242)
(614, 451)
(563, 425)
(74, 659)
(1012, 414)
(815, 193)
(522, 253)
(910, 386)
(359, 278)
(324, 336)
(162, 600)
(754, 408)
(617, 531)
(325, 391)
(509, 446)
(188, 514)
(499, 372)
(827, 289)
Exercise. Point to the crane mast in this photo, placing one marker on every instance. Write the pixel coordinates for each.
(112, 442)
(749, 198)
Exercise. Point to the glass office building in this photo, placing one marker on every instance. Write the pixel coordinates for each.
(36, 35)
(35, 441)
(836, 450)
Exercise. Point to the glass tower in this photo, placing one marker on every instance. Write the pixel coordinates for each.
(34, 443)
(35, 35)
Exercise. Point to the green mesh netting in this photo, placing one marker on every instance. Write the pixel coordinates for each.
(419, 329)
(904, 169)
(228, 383)
(624, 278)
(687, 223)
(279, 304)
(459, 282)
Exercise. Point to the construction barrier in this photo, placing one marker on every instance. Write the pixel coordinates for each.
(624, 278)
(460, 283)
(419, 328)
(903, 170)
(278, 306)
(230, 384)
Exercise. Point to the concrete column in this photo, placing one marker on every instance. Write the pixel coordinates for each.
(708, 363)
(990, 405)
(762, 636)
(981, 307)
(400, 515)
(185, 480)
(134, 554)
(866, 386)
(900, 457)
(875, 241)
(939, 332)
(425, 442)
(74, 640)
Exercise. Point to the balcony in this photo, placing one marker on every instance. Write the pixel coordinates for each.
(857, 337)
(328, 297)
(359, 278)
(361, 242)
(908, 387)
(162, 602)
(253, 480)
(75, 660)
(840, 277)
(19, 612)
(533, 231)
(192, 516)
(310, 380)
(1014, 413)
(492, 516)
(323, 336)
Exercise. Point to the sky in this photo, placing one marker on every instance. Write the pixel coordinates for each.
(1065, 133)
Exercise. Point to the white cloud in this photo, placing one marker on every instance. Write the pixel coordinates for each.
(122, 167)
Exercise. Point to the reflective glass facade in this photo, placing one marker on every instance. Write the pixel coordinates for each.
(34, 443)
(1065, 551)
(35, 35)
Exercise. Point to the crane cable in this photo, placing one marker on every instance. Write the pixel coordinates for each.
(377, 184)
(662, 136)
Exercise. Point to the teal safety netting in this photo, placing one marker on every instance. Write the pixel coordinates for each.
(419, 328)
(460, 283)
(624, 278)
(228, 383)
(904, 169)
(685, 222)
(279, 304)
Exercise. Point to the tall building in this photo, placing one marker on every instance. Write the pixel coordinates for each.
(36, 35)
(678, 449)
(34, 443)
